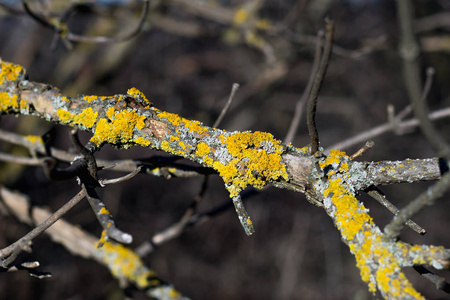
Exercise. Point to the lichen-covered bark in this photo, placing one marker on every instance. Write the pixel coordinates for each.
(245, 159)
(379, 260)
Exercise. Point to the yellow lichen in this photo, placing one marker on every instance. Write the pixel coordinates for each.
(8, 102)
(241, 16)
(358, 230)
(202, 149)
(263, 24)
(257, 161)
(124, 263)
(104, 211)
(176, 120)
(118, 128)
(332, 158)
(86, 118)
(135, 92)
(90, 98)
(9, 71)
(35, 139)
(24, 106)
(182, 145)
(141, 141)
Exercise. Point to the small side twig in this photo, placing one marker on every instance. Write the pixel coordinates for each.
(438, 281)
(225, 109)
(104, 182)
(318, 80)
(388, 126)
(367, 146)
(301, 102)
(30, 267)
(63, 32)
(394, 228)
(375, 193)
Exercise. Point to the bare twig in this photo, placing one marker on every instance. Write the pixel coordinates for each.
(386, 127)
(375, 193)
(394, 228)
(367, 146)
(318, 80)
(64, 33)
(428, 82)
(30, 267)
(306, 92)
(29, 161)
(104, 182)
(225, 109)
(9, 254)
(440, 282)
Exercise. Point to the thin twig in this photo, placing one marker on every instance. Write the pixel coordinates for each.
(386, 127)
(104, 182)
(376, 194)
(8, 254)
(394, 228)
(66, 35)
(428, 83)
(440, 282)
(225, 109)
(318, 80)
(367, 146)
(29, 161)
(306, 92)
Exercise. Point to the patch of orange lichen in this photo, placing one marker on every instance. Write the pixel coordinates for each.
(9, 71)
(118, 127)
(86, 118)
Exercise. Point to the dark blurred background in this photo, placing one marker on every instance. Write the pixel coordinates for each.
(185, 61)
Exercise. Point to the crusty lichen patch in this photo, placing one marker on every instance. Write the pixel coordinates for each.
(139, 95)
(124, 263)
(86, 119)
(378, 264)
(8, 102)
(9, 71)
(256, 161)
(118, 127)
